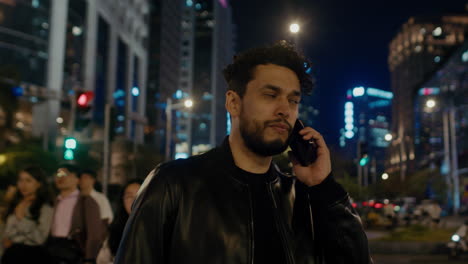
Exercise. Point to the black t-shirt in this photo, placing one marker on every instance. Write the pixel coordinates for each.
(268, 247)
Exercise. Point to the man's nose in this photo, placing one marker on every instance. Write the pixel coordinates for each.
(283, 108)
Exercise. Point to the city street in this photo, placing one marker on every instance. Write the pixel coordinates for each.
(196, 108)
(426, 259)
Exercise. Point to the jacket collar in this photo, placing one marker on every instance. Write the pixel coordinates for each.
(224, 154)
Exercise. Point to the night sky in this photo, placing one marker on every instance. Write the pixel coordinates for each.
(347, 42)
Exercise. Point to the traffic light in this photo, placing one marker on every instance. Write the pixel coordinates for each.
(83, 99)
(363, 154)
(70, 146)
(83, 109)
(364, 160)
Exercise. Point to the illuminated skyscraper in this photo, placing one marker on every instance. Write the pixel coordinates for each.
(367, 114)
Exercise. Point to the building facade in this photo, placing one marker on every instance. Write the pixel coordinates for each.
(62, 48)
(164, 66)
(191, 64)
(421, 46)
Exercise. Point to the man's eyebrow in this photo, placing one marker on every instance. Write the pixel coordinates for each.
(278, 89)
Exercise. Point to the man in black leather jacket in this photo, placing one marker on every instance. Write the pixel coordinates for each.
(232, 204)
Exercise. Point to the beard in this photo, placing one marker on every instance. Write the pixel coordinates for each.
(252, 132)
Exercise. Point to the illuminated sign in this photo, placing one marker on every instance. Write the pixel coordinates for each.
(358, 91)
(349, 134)
(349, 120)
(379, 103)
(379, 93)
(429, 91)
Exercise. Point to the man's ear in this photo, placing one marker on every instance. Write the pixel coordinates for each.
(233, 103)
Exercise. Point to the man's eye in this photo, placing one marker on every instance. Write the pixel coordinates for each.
(271, 95)
(294, 101)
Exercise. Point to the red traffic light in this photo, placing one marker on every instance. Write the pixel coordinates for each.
(84, 98)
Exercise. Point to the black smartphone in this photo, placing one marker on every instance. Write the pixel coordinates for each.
(305, 151)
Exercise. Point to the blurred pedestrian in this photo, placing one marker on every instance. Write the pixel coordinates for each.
(110, 246)
(10, 193)
(390, 215)
(77, 230)
(7, 198)
(28, 220)
(434, 211)
(87, 183)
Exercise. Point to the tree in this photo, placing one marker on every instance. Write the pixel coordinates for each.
(24, 154)
(9, 78)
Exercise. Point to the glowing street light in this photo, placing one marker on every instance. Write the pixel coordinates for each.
(3, 159)
(431, 103)
(385, 176)
(188, 103)
(388, 137)
(294, 28)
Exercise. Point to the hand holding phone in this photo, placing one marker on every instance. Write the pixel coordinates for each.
(305, 151)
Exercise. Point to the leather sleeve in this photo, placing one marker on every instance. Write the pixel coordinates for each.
(339, 233)
(150, 223)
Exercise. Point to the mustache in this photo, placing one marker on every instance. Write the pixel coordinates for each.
(282, 121)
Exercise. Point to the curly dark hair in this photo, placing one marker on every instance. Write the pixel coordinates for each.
(282, 53)
(43, 194)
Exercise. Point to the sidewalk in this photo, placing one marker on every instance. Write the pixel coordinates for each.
(406, 259)
(452, 221)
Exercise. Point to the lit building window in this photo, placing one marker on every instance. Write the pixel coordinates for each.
(77, 31)
(437, 32)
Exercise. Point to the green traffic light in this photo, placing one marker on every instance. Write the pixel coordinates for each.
(70, 143)
(364, 160)
(68, 154)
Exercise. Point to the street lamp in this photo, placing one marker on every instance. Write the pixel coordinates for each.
(385, 176)
(294, 28)
(169, 107)
(450, 144)
(431, 103)
(388, 137)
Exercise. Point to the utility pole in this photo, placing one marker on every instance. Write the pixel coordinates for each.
(106, 164)
(453, 152)
(358, 166)
(55, 62)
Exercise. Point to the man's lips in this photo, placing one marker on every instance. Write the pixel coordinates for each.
(281, 127)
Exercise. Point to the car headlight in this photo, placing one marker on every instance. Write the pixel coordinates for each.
(455, 238)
